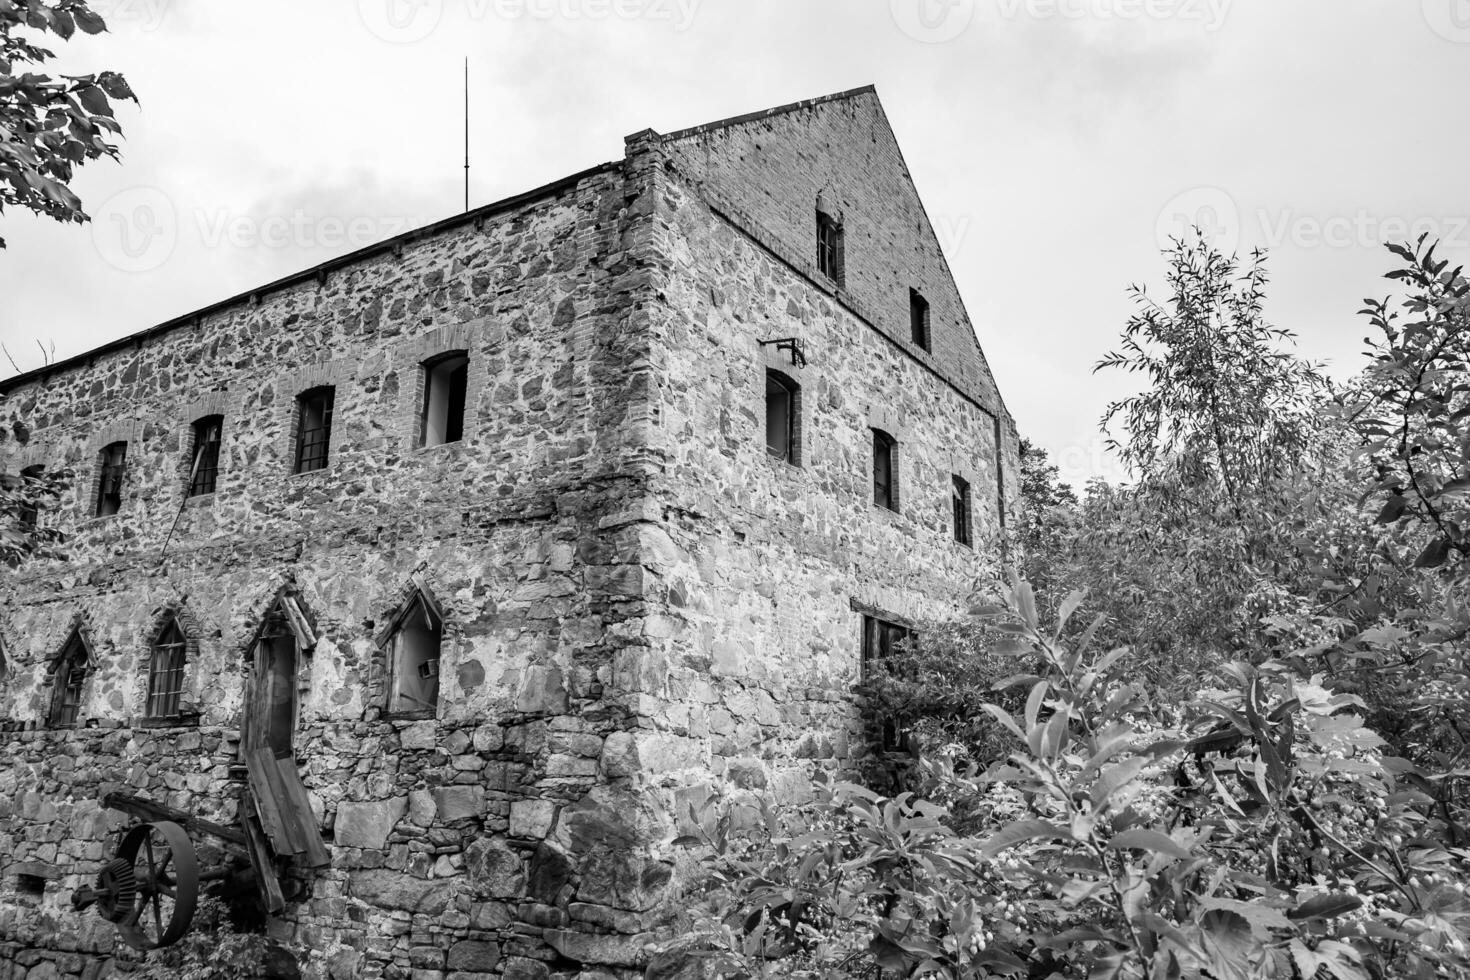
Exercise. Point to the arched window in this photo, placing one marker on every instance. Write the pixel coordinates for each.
(69, 674)
(412, 640)
(166, 672)
(885, 470)
(446, 380)
(783, 415)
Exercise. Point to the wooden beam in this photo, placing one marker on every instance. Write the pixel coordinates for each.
(149, 811)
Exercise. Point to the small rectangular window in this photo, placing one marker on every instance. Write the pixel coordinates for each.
(204, 467)
(961, 500)
(112, 465)
(313, 428)
(880, 639)
(829, 247)
(918, 319)
(446, 380)
(30, 890)
(782, 412)
(885, 485)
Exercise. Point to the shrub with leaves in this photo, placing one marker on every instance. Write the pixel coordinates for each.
(1255, 831)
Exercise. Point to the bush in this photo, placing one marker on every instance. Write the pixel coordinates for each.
(1256, 830)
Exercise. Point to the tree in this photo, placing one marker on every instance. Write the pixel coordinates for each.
(49, 126)
(1226, 407)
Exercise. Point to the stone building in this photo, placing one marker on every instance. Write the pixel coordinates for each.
(502, 541)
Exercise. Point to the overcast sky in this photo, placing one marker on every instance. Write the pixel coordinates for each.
(1056, 144)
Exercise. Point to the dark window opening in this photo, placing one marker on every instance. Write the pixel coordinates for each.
(71, 674)
(313, 428)
(961, 500)
(275, 691)
(166, 672)
(445, 382)
(918, 319)
(204, 468)
(783, 408)
(413, 649)
(112, 464)
(830, 259)
(30, 890)
(885, 458)
(881, 639)
(28, 514)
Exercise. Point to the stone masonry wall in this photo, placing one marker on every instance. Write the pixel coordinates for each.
(498, 838)
(768, 171)
(761, 570)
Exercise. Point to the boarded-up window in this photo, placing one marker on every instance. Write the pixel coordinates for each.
(313, 428)
(783, 410)
(446, 380)
(204, 466)
(166, 672)
(112, 468)
(885, 467)
(412, 641)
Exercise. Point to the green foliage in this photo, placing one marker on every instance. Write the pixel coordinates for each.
(49, 126)
(212, 949)
(26, 498)
(1267, 784)
(1256, 832)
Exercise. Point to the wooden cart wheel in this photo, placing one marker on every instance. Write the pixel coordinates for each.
(166, 882)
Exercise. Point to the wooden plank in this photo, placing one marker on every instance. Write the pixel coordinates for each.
(260, 856)
(260, 767)
(305, 638)
(300, 812)
(294, 841)
(148, 810)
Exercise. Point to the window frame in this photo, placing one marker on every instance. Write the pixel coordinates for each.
(204, 455)
(919, 320)
(831, 248)
(791, 389)
(112, 469)
(73, 666)
(451, 428)
(176, 650)
(962, 503)
(311, 461)
(885, 491)
(880, 636)
(419, 604)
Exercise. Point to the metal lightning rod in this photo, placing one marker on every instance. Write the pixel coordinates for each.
(467, 132)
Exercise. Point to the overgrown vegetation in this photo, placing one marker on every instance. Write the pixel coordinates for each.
(1231, 743)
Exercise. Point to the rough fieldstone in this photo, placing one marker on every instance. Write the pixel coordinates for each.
(586, 947)
(421, 808)
(471, 954)
(459, 802)
(394, 890)
(532, 818)
(369, 824)
(494, 869)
